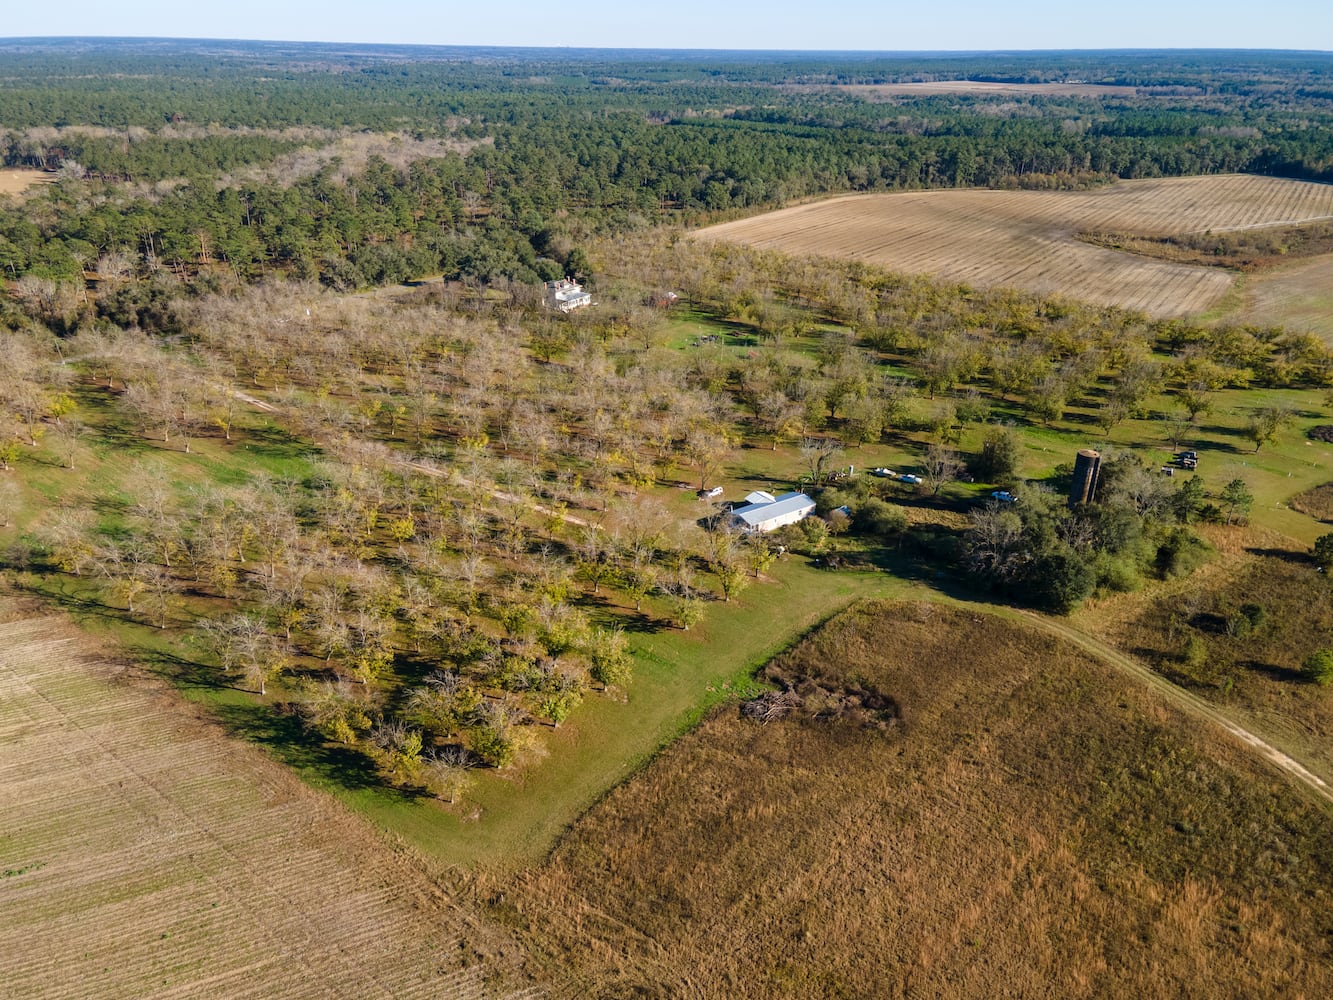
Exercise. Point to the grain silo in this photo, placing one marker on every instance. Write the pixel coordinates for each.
(1086, 466)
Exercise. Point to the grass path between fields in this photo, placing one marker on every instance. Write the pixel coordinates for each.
(1183, 699)
(514, 818)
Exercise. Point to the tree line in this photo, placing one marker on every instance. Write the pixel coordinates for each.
(197, 177)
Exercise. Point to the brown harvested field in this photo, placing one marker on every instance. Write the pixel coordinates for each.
(927, 88)
(18, 181)
(1298, 296)
(145, 854)
(1032, 824)
(1027, 239)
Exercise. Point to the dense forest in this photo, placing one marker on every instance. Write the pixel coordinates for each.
(358, 166)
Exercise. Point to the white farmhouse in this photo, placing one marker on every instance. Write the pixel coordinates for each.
(765, 512)
(566, 295)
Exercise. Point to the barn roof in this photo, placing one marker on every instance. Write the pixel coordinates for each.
(755, 514)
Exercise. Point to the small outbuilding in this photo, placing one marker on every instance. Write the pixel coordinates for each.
(566, 295)
(765, 512)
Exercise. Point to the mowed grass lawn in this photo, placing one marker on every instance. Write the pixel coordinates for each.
(1277, 472)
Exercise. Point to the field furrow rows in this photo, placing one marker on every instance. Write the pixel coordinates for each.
(1027, 239)
(154, 857)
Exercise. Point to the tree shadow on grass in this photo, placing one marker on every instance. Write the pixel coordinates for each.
(182, 672)
(287, 738)
(1284, 675)
(1171, 669)
(599, 606)
(79, 606)
(1286, 555)
(273, 442)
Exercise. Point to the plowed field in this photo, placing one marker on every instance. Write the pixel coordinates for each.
(1028, 239)
(145, 854)
(1298, 296)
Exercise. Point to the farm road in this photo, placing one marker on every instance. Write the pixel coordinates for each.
(1183, 699)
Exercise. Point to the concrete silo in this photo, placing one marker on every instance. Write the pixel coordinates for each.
(1086, 466)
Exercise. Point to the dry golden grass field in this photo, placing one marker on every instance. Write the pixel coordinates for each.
(1250, 672)
(1016, 820)
(18, 181)
(1298, 295)
(1028, 239)
(146, 854)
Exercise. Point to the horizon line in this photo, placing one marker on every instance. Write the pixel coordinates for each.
(493, 46)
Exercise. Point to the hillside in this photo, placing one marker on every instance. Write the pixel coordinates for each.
(1018, 816)
(1030, 239)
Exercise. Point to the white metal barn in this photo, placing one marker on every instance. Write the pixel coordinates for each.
(765, 512)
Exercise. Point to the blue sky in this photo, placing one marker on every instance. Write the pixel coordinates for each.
(748, 24)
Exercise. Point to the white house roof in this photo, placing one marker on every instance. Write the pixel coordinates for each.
(755, 514)
(759, 496)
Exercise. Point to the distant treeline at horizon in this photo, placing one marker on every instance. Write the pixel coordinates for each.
(497, 163)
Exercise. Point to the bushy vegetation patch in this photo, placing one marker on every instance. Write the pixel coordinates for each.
(1245, 638)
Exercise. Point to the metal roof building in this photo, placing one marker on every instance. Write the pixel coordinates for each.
(773, 513)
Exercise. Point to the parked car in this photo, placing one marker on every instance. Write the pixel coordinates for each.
(710, 493)
(1003, 496)
(884, 473)
(909, 479)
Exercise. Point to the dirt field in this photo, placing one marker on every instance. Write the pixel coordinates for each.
(18, 181)
(1026, 239)
(1016, 819)
(873, 91)
(144, 854)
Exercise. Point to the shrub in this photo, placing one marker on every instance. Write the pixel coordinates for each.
(1318, 666)
(492, 744)
(997, 462)
(1060, 581)
(880, 519)
(1253, 616)
(811, 536)
(1181, 553)
(1195, 652)
(1323, 550)
(1116, 573)
(609, 654)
